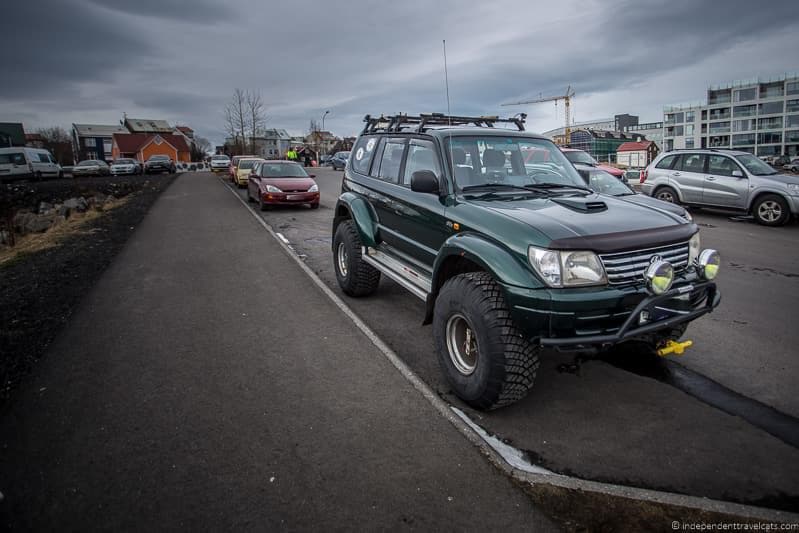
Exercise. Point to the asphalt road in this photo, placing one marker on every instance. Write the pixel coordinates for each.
(609, 424)
(206, 384)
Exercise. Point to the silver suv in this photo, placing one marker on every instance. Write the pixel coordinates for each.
(727, 179)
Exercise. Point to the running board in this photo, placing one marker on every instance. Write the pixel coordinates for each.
(407, 276)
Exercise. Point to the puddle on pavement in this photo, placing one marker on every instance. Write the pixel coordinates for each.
(770, 420)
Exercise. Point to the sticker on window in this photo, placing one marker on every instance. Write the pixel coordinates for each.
(370, 145)
(359, 154)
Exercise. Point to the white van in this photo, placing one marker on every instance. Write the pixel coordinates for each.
(24, 162)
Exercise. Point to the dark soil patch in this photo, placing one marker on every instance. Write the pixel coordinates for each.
(40, 290)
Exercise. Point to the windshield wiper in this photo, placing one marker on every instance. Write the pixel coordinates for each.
(470, 188)
(557, 186)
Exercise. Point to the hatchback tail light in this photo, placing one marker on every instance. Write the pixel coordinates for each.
(644, 175)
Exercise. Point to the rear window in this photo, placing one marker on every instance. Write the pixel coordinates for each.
(362, 154)
(282, 170)
(247, 163)
(666, 162)
(16, 158)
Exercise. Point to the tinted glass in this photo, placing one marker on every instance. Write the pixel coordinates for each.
(391, 161)
(12, 159)
(602, 182)
(578, 156)
(43, 158)
(421, 156)
(364, 151)
(666, 162)
(247, 163)
(721, 165)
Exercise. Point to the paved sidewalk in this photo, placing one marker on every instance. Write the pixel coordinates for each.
(206, 383)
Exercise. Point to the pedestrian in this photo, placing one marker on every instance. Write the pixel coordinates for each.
(307, 158)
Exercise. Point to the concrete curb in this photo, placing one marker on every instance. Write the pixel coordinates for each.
(531, 476)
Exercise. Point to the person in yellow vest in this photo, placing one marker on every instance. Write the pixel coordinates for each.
(291, 155)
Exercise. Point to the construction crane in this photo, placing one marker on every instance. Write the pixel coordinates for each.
(565, 97)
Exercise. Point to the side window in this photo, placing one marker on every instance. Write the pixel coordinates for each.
(43, 158)
(666, 162)
(721, 166)
(693, 163)
(362, 153)
(421, 156)
(391, 160)
(12, 159)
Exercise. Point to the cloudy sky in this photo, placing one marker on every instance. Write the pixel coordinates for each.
(88, 61)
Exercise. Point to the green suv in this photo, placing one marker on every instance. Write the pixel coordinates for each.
(495, 231)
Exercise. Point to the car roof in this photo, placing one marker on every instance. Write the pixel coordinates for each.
(461, 131)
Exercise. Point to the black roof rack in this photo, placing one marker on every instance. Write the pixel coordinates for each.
(400, 122)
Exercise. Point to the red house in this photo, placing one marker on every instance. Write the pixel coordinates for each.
(142, 146)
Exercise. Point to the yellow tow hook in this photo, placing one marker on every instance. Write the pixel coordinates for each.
(674, 347)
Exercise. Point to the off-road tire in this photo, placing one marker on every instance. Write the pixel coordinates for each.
(506, 364)
(667, 192)
(360, 279)
(785, 213)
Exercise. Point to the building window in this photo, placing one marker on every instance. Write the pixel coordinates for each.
(744, 125)
(689, 116)
(742, 140)
(792, 136)
(744, 110)
(792, 87)
(792, 121)
(773, 123)
(689, 129)
(792, 106)
(772, 137)
(89, 142)
(770, 108)
(769, 150)
(719, 114)
(720, 127)
(719, 97)
(745, 94)
(689, 142)
(771, 89)
(678, 131)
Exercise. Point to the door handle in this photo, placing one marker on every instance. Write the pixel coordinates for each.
(676, 174)
(711, 178)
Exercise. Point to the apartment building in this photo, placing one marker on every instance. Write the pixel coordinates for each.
(760, 116)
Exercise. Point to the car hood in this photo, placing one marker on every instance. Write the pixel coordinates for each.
(595, 222)
(780, 179)
(86, 167)
(611, 170)
(288, 184)
(648, 201)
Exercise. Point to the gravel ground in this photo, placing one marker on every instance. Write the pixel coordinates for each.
(40, 290)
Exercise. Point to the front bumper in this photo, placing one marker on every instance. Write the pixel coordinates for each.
(158, 168)
(92, 172)
(121, 171)
(599, 318)
(286, 198)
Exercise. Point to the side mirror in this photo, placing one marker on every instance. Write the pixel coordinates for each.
(311, 175)
(425, 181)
(737, 174)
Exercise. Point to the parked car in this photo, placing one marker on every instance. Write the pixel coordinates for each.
(793, 166)
(91, 167)
(125, 166)
(282, 183)
(234, 163)
(509, 257)
(243, 170)
(605, 183)
(26, 163)
(781, 161)
(581, 156)
(726, 179)
(159, 163)
(325, 160)
(219, 163)
(339, 160)
(631, 175)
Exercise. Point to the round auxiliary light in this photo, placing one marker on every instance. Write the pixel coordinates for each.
(709, 262)
(659, 276)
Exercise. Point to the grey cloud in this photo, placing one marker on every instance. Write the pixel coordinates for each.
(202, 11)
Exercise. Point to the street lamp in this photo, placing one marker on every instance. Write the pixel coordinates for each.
(323, 129)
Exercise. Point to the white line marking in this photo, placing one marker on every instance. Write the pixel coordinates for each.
(281, 237)
(469, 429)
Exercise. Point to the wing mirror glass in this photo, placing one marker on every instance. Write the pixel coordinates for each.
(425, 181)
(737, 174)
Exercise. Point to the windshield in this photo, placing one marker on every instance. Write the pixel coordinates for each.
(578, 156)
(283, 170)
(605, 183)
(247, 163)
(513, 161)
(755, 165)
(87, 163)
(221, 158)
(343, 155)
(124, 162)
(159, 158)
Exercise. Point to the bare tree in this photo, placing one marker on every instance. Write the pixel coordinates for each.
(199, 148)
(236, 120)
(58, 142)
(255, 116)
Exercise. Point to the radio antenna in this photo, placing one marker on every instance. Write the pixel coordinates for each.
(449, 112)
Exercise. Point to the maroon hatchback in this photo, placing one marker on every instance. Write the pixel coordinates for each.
(281, 183)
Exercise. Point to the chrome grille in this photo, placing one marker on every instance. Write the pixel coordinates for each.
(628, 267)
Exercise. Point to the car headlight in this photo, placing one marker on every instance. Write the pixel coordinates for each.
(709, 262)
(567, 268)
(272, 188)
(793, 188)
(688, 216)
(659, 276)
(314, 188)
(693, 248)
